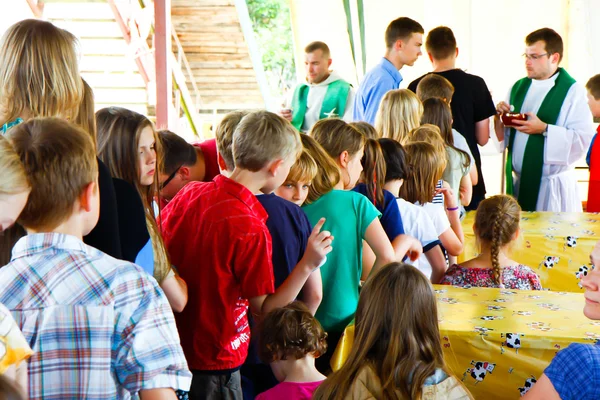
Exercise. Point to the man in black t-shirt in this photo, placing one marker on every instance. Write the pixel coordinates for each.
(472, 104)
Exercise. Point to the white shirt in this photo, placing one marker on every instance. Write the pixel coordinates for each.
(566, 143)
(417, 224)
(441, 224)
(314, 101)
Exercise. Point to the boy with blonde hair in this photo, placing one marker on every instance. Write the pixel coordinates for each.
(216, 234)
(99, 327)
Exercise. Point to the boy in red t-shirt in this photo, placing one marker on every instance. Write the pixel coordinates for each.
(215, 233)
(593, 156)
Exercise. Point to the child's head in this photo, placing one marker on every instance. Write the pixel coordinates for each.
(397, 169)
(39, 75)
(328, 173)
(435, 86)
(429, 167)
(396, 333)
(127, 144)
(344, 144)
(593, 87)
(298, 182)
(366, 129)
(14, 186)
(177, 158)
(399, 113)
(497, 224)
(86, 117)
(374, 172)
(224, 138)
(437, 112)
(264, 141)
(431, 134)
(59, 159)
(290, 333)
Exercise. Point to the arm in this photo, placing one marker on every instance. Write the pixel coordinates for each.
(368, 260)
(453, 238)
(319, 245)
(466, 190)
(482, 131)
(158, 394)
(406, 246)
(380, 244)
(542, 390)
(176, 291)
(436, 259)
(312, 292)
(474, 176)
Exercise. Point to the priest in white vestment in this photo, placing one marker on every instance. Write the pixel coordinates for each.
(557, 111)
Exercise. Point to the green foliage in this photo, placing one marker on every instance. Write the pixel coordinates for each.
(272, 26)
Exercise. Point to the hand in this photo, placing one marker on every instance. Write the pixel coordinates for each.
(502, 107)
(415, 248)
(286, 113)
(533, 125)
(595, 256)
(318, 246)
(449, 197)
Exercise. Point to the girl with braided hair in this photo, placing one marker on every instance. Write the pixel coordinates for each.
(496, 228)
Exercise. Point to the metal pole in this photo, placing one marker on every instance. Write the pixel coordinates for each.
(164, 75)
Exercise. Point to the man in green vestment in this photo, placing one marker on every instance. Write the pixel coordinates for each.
(324, 94)
(543, 150)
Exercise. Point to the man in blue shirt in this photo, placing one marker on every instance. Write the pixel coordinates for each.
(403, 39)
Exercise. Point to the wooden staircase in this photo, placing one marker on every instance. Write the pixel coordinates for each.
(106, 61)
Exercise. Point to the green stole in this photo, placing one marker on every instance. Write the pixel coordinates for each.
(533, 158)
(334, 103)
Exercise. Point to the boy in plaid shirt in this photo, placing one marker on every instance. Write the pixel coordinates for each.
(99, 327)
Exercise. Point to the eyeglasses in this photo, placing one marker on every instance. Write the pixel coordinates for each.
(534, 57)
(170, 178)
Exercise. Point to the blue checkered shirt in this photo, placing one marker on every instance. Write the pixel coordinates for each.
(100, 328)
(575, 372)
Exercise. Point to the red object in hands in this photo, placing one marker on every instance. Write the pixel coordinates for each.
(509, 118)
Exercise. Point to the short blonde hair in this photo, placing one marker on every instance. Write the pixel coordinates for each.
(224, 136)
(262, 137)
(431, 134)
(328, 173)
(399, 113)
(13, 179)
(304, 169)
(60, 160)
(38, 72)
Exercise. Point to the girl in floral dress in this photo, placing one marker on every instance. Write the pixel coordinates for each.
(496, 228)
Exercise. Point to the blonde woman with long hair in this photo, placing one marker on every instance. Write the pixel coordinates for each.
(14, 191)
(397, 350)
(399, 113)
(129, 145)
(39, 77)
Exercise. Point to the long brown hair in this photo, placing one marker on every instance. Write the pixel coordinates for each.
(399, 113)
(39, 72)
(119, 131)
(396, 335)
(428, 168)
(328, 174)
(374, 172)
(437, 112)
(496, 222)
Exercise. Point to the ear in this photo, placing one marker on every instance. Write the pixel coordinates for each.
(343, 159)
(221, 162)
(398, 45)
(474, 230)
(516, 234)
(430, 57)
(456, 53)
(274, 167)
(185, 173)
(329, 62)
(555, 58)
(86, 198)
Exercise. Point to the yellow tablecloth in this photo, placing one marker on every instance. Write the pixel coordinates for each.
(556, 246)
(499, 341)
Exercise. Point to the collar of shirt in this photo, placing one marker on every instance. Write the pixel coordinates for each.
(241, 193)
(38, 242)
(387, 66)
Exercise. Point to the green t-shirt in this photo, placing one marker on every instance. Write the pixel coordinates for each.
(348, 215)
(455, 170)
